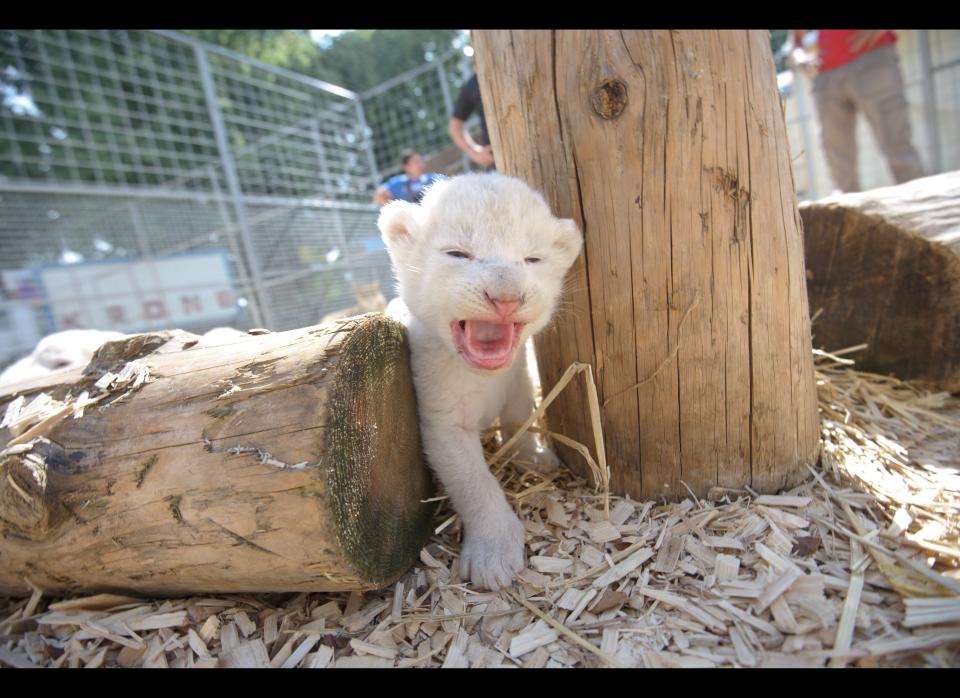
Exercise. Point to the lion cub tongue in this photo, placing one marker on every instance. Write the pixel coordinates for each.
(488, 338)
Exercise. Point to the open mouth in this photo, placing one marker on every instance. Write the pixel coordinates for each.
(486, 345)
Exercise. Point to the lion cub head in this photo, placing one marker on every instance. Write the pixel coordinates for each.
(480, 263)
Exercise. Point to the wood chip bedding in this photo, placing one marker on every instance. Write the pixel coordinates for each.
(857, 566)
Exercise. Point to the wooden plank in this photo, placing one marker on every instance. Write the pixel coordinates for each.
(622, 569)
(531, 640)
(684, 605)
(248, 654)
(778, 586)
(603, 532)
(376, 650)
(727, 567)
(669, 554)
(781, 500)
(930, 611)
(93, 603)
(550, 565)
(844, 636)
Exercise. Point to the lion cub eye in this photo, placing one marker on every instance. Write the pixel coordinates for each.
(459, 254)
(533, 260)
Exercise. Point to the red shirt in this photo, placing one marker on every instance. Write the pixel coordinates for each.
(833, 46)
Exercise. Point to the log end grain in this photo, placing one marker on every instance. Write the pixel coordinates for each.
(378, 478)
(878, 283)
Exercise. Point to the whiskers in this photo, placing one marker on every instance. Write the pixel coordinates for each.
(415, 270)
(564, 307)
(571, 286)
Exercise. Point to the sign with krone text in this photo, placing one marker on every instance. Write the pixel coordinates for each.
(141, 295)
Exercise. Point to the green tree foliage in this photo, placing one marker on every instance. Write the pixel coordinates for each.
(87, 114)
(778, 37)
(357, 60)
(411, 116)
(365, 58)
(286, 48)
(126, 108)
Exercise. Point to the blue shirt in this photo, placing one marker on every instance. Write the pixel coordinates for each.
(402, 187)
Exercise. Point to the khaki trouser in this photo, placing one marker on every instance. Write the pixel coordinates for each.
(872, 84)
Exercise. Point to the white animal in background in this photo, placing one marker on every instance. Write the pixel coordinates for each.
(480, 265)
(221, 335)
(57, 351)
(75, 348)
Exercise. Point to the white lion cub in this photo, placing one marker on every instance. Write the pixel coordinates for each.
(480, 265)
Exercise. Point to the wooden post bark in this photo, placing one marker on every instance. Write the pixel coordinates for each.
(669, 148)
(883, 269)
(274, 463)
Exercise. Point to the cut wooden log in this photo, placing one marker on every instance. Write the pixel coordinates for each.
(273, 463)
(669, 150)
(883, 269)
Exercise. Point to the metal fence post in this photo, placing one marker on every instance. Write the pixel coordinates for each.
(368, 141)
(143, 242)
(930, 115)
(337, 220)
(230, 231)
(261, 311)
(139, 231)
(448, 103)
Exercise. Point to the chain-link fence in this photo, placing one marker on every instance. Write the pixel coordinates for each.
(412, 110)
(148, 180)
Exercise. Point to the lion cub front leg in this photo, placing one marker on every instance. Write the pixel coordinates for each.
(493, 537)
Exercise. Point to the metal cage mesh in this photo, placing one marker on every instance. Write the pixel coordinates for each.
(129, 146)
(123, 146)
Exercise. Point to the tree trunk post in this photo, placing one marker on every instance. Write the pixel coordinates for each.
(669, 149)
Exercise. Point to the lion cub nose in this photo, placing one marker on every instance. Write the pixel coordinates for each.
(505, 305)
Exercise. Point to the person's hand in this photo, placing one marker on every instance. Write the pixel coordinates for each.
(483, 157)
(804, 61)
(865, 38)
(382, 196)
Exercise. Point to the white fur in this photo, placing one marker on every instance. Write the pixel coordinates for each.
(502, 223)
(221, 335)
(58, 351)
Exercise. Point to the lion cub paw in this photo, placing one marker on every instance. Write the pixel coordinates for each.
(492, 558)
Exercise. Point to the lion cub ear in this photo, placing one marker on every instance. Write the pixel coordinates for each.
(399, 225)
(568, 242)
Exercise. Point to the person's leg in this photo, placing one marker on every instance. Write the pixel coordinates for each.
(838, 120)
(878, 91)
